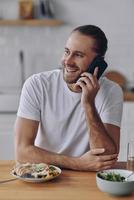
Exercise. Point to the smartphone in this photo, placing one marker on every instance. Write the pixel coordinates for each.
(100, 63)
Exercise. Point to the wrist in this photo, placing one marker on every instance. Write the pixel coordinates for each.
(68, 162)
(76, 163)
(90, 106)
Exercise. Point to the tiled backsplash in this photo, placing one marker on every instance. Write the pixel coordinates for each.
(42, 49)
(43, 46)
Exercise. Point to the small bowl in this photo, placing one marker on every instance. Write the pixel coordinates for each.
(115, 187)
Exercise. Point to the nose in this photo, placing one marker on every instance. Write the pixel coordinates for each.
(69, 60)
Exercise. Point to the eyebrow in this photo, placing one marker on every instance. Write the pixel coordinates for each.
(80, 52)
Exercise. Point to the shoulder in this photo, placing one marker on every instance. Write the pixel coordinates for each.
(109, 102)
(110, 86)
(43, 78)
(109, 92)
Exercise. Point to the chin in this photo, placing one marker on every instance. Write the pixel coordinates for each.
(70, 79)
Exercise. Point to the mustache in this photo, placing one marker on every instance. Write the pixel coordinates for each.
(70, 65)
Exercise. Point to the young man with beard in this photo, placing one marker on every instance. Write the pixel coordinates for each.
(67, 117)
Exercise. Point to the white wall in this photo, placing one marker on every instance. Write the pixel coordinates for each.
(43, 46)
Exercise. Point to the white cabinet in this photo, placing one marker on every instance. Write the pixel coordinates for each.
(127, 128)
(7, 136)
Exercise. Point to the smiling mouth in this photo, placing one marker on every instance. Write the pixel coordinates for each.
(70, 70)
(72, 74)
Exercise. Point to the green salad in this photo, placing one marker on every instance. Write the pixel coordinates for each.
(111, 176)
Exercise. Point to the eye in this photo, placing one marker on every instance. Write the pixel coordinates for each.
(66, 52)
(79, 55)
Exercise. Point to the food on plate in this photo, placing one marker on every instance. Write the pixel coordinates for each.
(111, 176)
(29, 170)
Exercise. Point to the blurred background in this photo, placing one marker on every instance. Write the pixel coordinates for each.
(32, 39)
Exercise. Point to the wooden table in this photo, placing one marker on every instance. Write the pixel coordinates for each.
(70, 185)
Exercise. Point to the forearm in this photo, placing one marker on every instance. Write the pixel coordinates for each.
(99, 137)
(35, 154)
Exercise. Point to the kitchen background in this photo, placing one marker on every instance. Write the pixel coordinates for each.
(25, 50)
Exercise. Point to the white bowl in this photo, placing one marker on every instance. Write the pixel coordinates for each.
(114, 187)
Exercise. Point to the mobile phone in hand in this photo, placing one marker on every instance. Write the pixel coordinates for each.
(100, 63)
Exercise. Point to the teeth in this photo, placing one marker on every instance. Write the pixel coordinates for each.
(71, 70)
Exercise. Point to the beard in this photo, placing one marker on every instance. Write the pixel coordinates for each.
(70, 77)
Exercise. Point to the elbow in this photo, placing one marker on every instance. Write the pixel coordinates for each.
(20, 154)
(117, 150)
(112, 149)
(23, 153)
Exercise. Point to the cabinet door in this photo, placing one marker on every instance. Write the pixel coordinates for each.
(127, 128)
(7, 136)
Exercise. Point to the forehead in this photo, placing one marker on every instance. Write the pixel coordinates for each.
(78, 41)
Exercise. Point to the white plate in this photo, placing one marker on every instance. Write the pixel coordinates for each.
(38, 180)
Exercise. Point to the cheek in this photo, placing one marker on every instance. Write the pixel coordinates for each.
(62, 60)
(84, 66)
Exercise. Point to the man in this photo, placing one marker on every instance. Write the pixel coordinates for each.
(67, 117)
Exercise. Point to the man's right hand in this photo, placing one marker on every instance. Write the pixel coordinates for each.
(93, 160)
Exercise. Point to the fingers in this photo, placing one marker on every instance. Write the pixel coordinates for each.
(90, 79)
(81, 85)
(97, 151)
(94, 160)
(108, 164)
(85, 83)
(86, 80)
(96, 71)
(101, 165)
(98, 166)
(108, 157)
(103, 161)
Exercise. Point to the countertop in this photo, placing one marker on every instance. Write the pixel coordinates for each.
(68, 186)
(128, 96)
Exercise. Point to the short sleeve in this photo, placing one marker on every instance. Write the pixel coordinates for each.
(112, 106)
(29, 106)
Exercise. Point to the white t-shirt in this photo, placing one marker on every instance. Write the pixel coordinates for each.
(46, 98)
